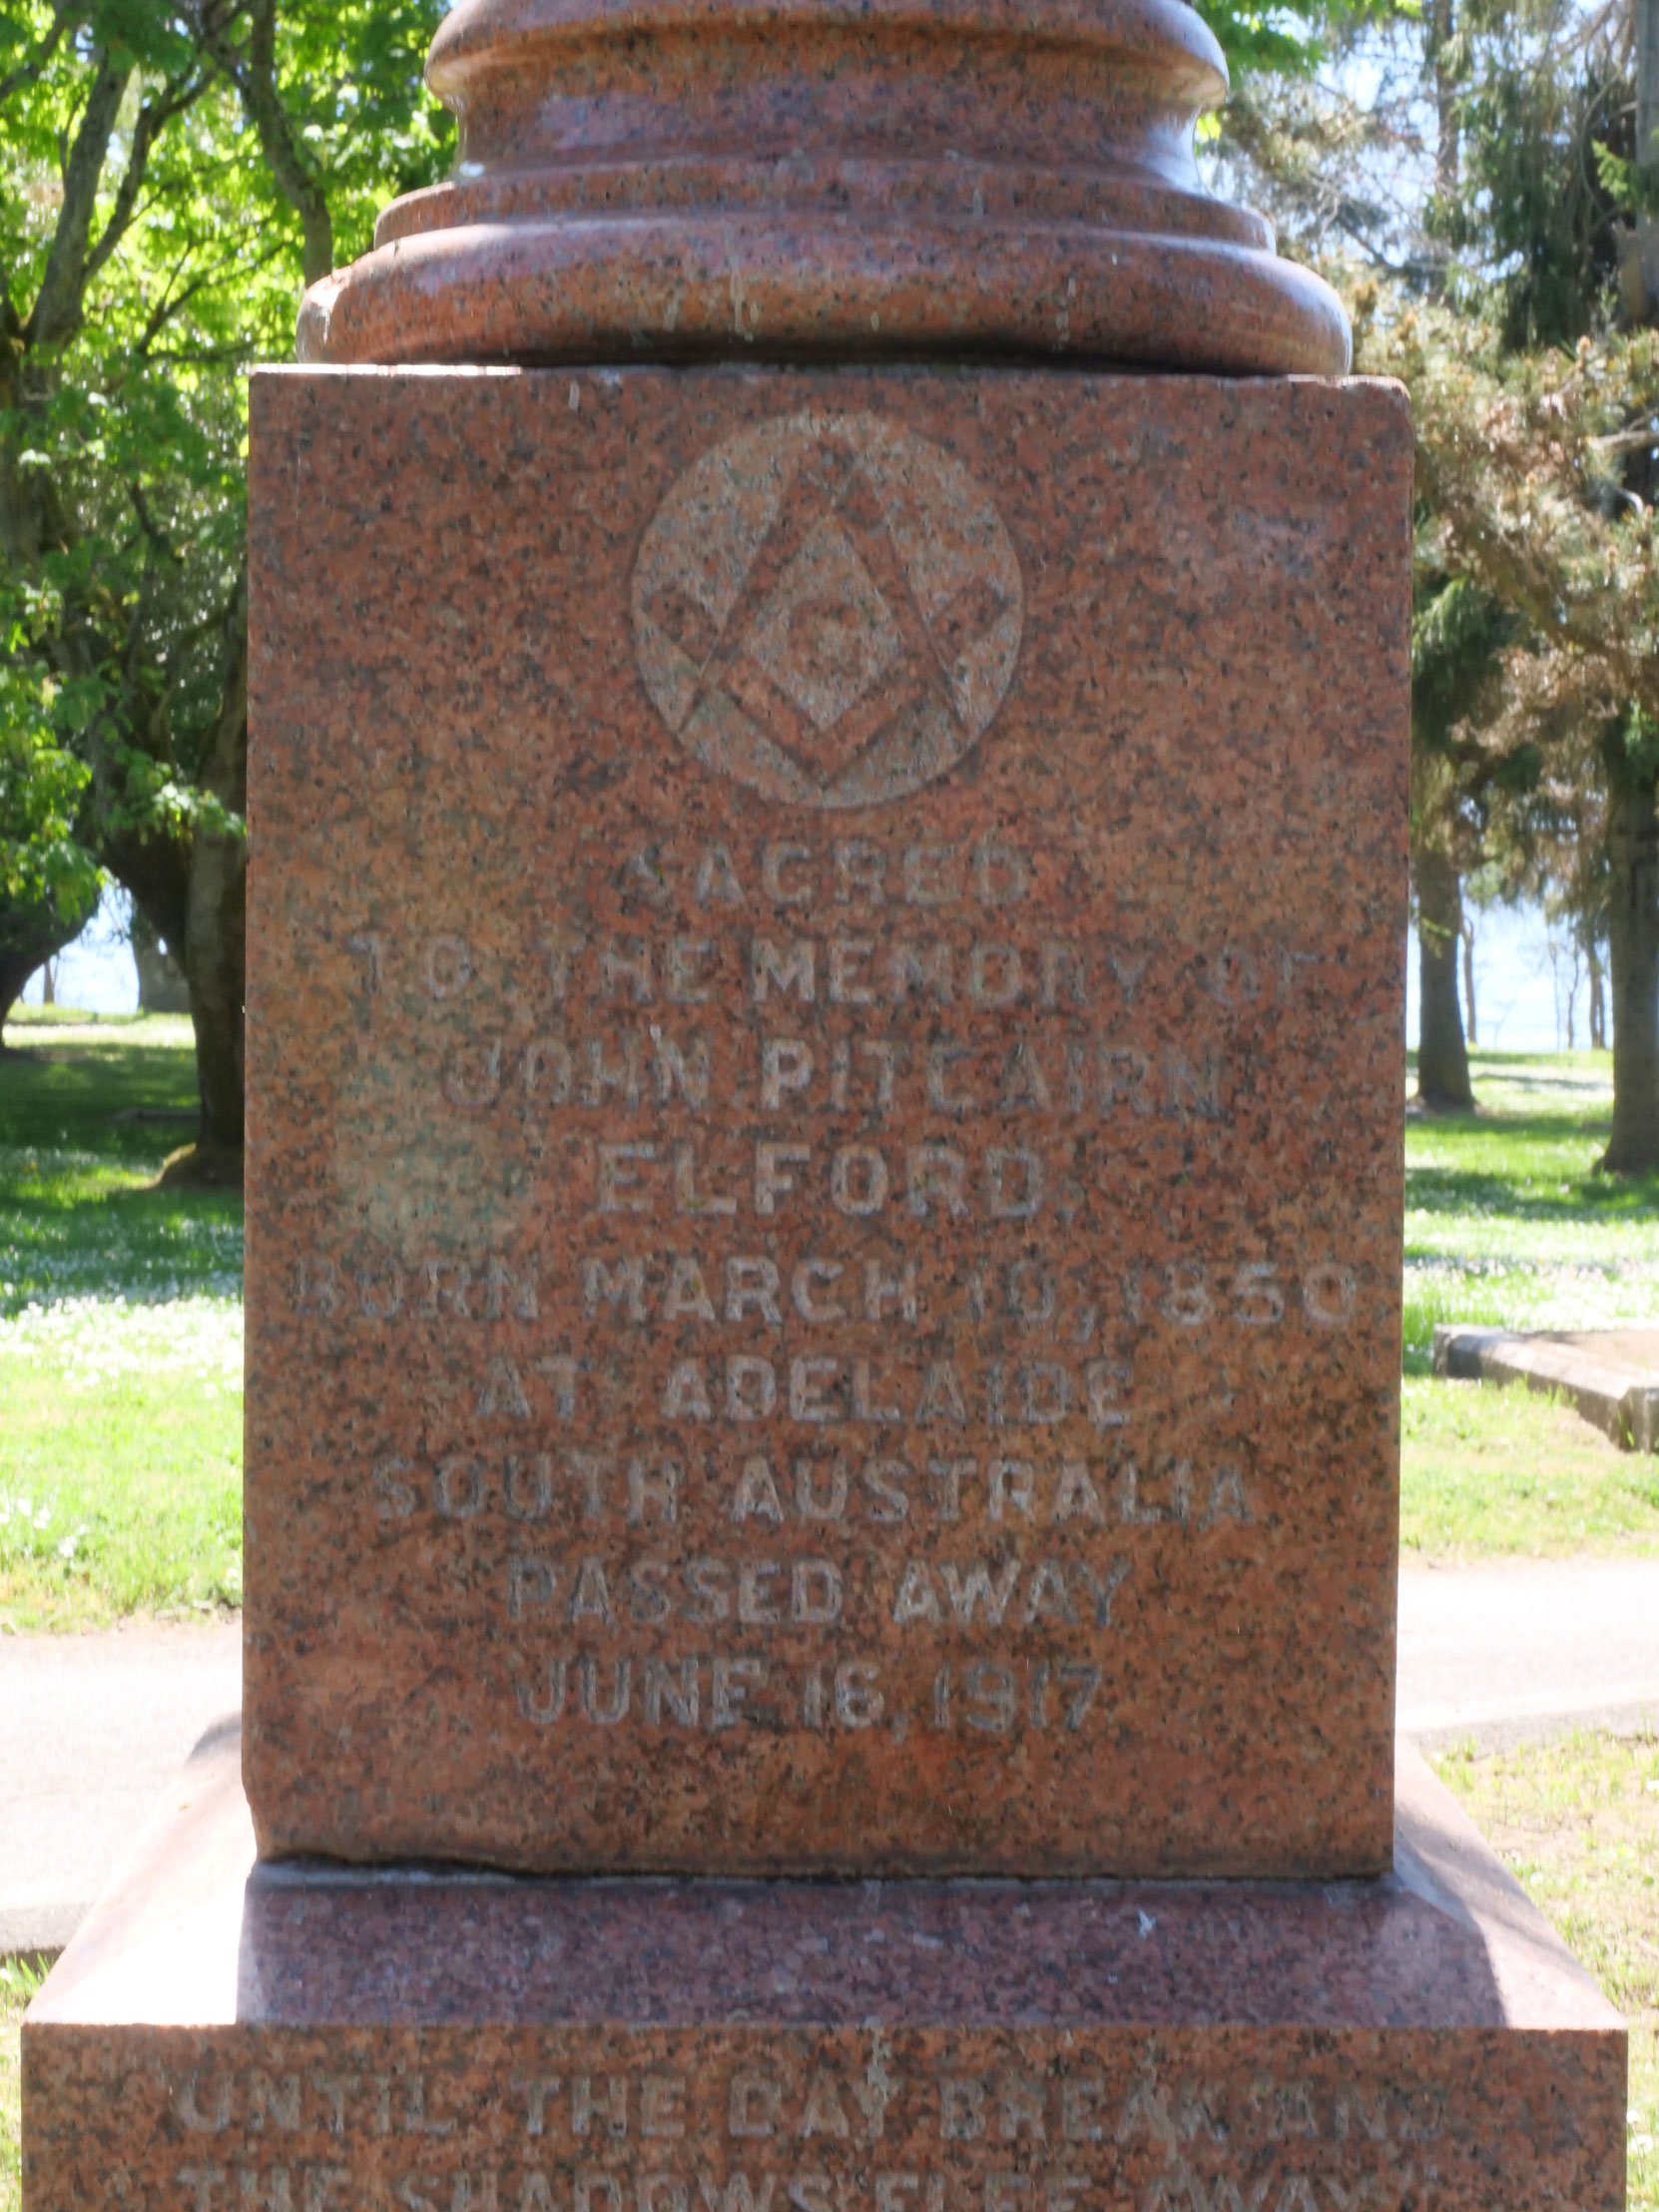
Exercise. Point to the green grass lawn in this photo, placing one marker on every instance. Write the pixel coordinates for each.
(120, 1334)
(1506, 1220)
(1486, 1470)
(1577, 1823)
(88, 1114)
(1509, 1223)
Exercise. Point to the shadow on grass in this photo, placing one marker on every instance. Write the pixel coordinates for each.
(125, 1102)
(1533, 1166)
(1560, 1196)
(86, 1123)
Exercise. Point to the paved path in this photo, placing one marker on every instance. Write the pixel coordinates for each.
(1520, 1650)
(91, 1728)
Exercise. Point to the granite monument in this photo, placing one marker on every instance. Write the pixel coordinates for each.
(829, 705)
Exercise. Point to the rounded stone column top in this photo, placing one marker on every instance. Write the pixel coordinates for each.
(827, 179)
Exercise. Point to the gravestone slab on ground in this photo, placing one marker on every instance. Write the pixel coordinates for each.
(824, 1214)
(824, 1033)
(1610, 1374)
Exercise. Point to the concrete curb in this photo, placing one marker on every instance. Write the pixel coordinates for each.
(1599, 1369)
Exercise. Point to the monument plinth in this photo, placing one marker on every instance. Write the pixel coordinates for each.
(824, 1227)
(311, 2039)
(823, 1224)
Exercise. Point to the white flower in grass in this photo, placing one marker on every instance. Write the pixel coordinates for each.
(28, 1517)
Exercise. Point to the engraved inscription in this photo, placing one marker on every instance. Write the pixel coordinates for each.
(801, 1387)
(803, 1430)
(814, 2127)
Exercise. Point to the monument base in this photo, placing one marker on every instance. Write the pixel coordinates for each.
(224, 2037)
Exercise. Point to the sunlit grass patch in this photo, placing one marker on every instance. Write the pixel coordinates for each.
(88, 1114)
(109, 1234)
(120, 1460)
(120, 1334)
(1485, 1470)
(1577, 1823)
(1507, 1222)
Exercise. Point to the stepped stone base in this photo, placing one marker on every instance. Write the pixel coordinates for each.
(222, 2036)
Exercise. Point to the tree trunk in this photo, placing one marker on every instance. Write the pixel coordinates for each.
(1598, 1002)
(216, 928)
(162, 988)
(1466, 932)
(215, 956)
(1640, 251)
(1633, 956)
(1442, 1056)
(48, 985)
(31, 934)
(13, 976)
(1439, 29)
(193, 894)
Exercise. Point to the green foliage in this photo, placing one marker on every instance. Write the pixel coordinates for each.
(1631, 189)
(1534, 219)
(1478, 166)
(1457, 631)
(41, 858)
(1261, 39)
(1632, 742)
(162, 175)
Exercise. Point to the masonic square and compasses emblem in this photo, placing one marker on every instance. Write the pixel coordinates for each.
(827, 609)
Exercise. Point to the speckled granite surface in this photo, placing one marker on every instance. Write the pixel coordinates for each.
(302, 2037)
(823, 1202)
(684, 180)
(824, 1177)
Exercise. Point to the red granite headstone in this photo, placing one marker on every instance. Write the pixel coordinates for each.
(824, 1045)
(825, 1048)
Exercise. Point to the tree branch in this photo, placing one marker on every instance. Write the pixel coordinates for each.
(149, 525)
(154, 114)
(59, 304)
(255, 77)
(172, 303)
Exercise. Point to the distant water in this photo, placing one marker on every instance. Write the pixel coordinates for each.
(95, 972)
(1523, 977)
(1526, 977)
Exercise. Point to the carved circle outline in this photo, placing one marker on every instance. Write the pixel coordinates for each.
(884, 552)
